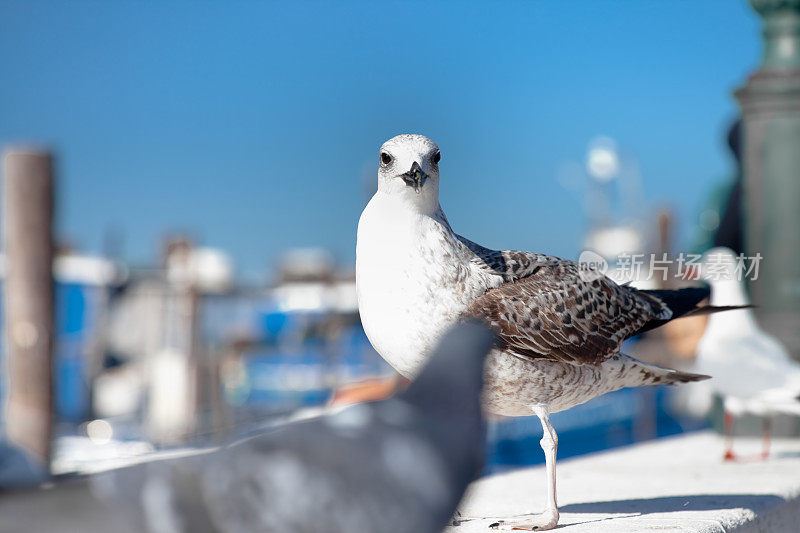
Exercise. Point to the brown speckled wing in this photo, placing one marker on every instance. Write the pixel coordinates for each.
(560, 310)
(510, 264)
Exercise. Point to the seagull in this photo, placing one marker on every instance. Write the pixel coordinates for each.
(753, 372)
(400, 465)
(560, 324)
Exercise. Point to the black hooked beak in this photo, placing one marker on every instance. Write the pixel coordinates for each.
(414, 177)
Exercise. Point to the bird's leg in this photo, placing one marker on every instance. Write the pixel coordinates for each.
(767, 439)
(729, 455)
(549, 518)
(549, 445)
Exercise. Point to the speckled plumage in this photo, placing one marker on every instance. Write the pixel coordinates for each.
(560, 325)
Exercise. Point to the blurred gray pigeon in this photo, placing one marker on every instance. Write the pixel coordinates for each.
(398, 465)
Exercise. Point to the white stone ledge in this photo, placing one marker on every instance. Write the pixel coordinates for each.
(674, 484)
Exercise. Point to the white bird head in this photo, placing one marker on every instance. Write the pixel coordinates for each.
(724, 271)
(408, 168)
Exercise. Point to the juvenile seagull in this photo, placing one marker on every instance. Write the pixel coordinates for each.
(560, 325)
(754, 373)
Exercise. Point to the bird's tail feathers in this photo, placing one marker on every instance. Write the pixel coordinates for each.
(681, 303)
(650, 374)
(711, 309)
(678, 301)
(679, 376)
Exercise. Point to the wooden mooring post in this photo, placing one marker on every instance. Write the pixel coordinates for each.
(27, 220)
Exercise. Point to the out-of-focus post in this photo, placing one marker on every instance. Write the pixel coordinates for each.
(770, 102)
(664, 223)
(172, 396)
(28, 291)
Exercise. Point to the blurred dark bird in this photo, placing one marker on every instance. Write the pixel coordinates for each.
(398, 465)
(729, 233)
(560, 324)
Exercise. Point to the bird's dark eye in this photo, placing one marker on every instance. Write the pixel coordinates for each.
(436, 157)
(386, 158)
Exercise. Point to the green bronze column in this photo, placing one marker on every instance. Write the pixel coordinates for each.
(770, 102)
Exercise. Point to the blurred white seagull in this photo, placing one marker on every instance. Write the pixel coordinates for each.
(752, 371)
(560, 325)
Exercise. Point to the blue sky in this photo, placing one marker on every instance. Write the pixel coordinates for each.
(254, 125)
